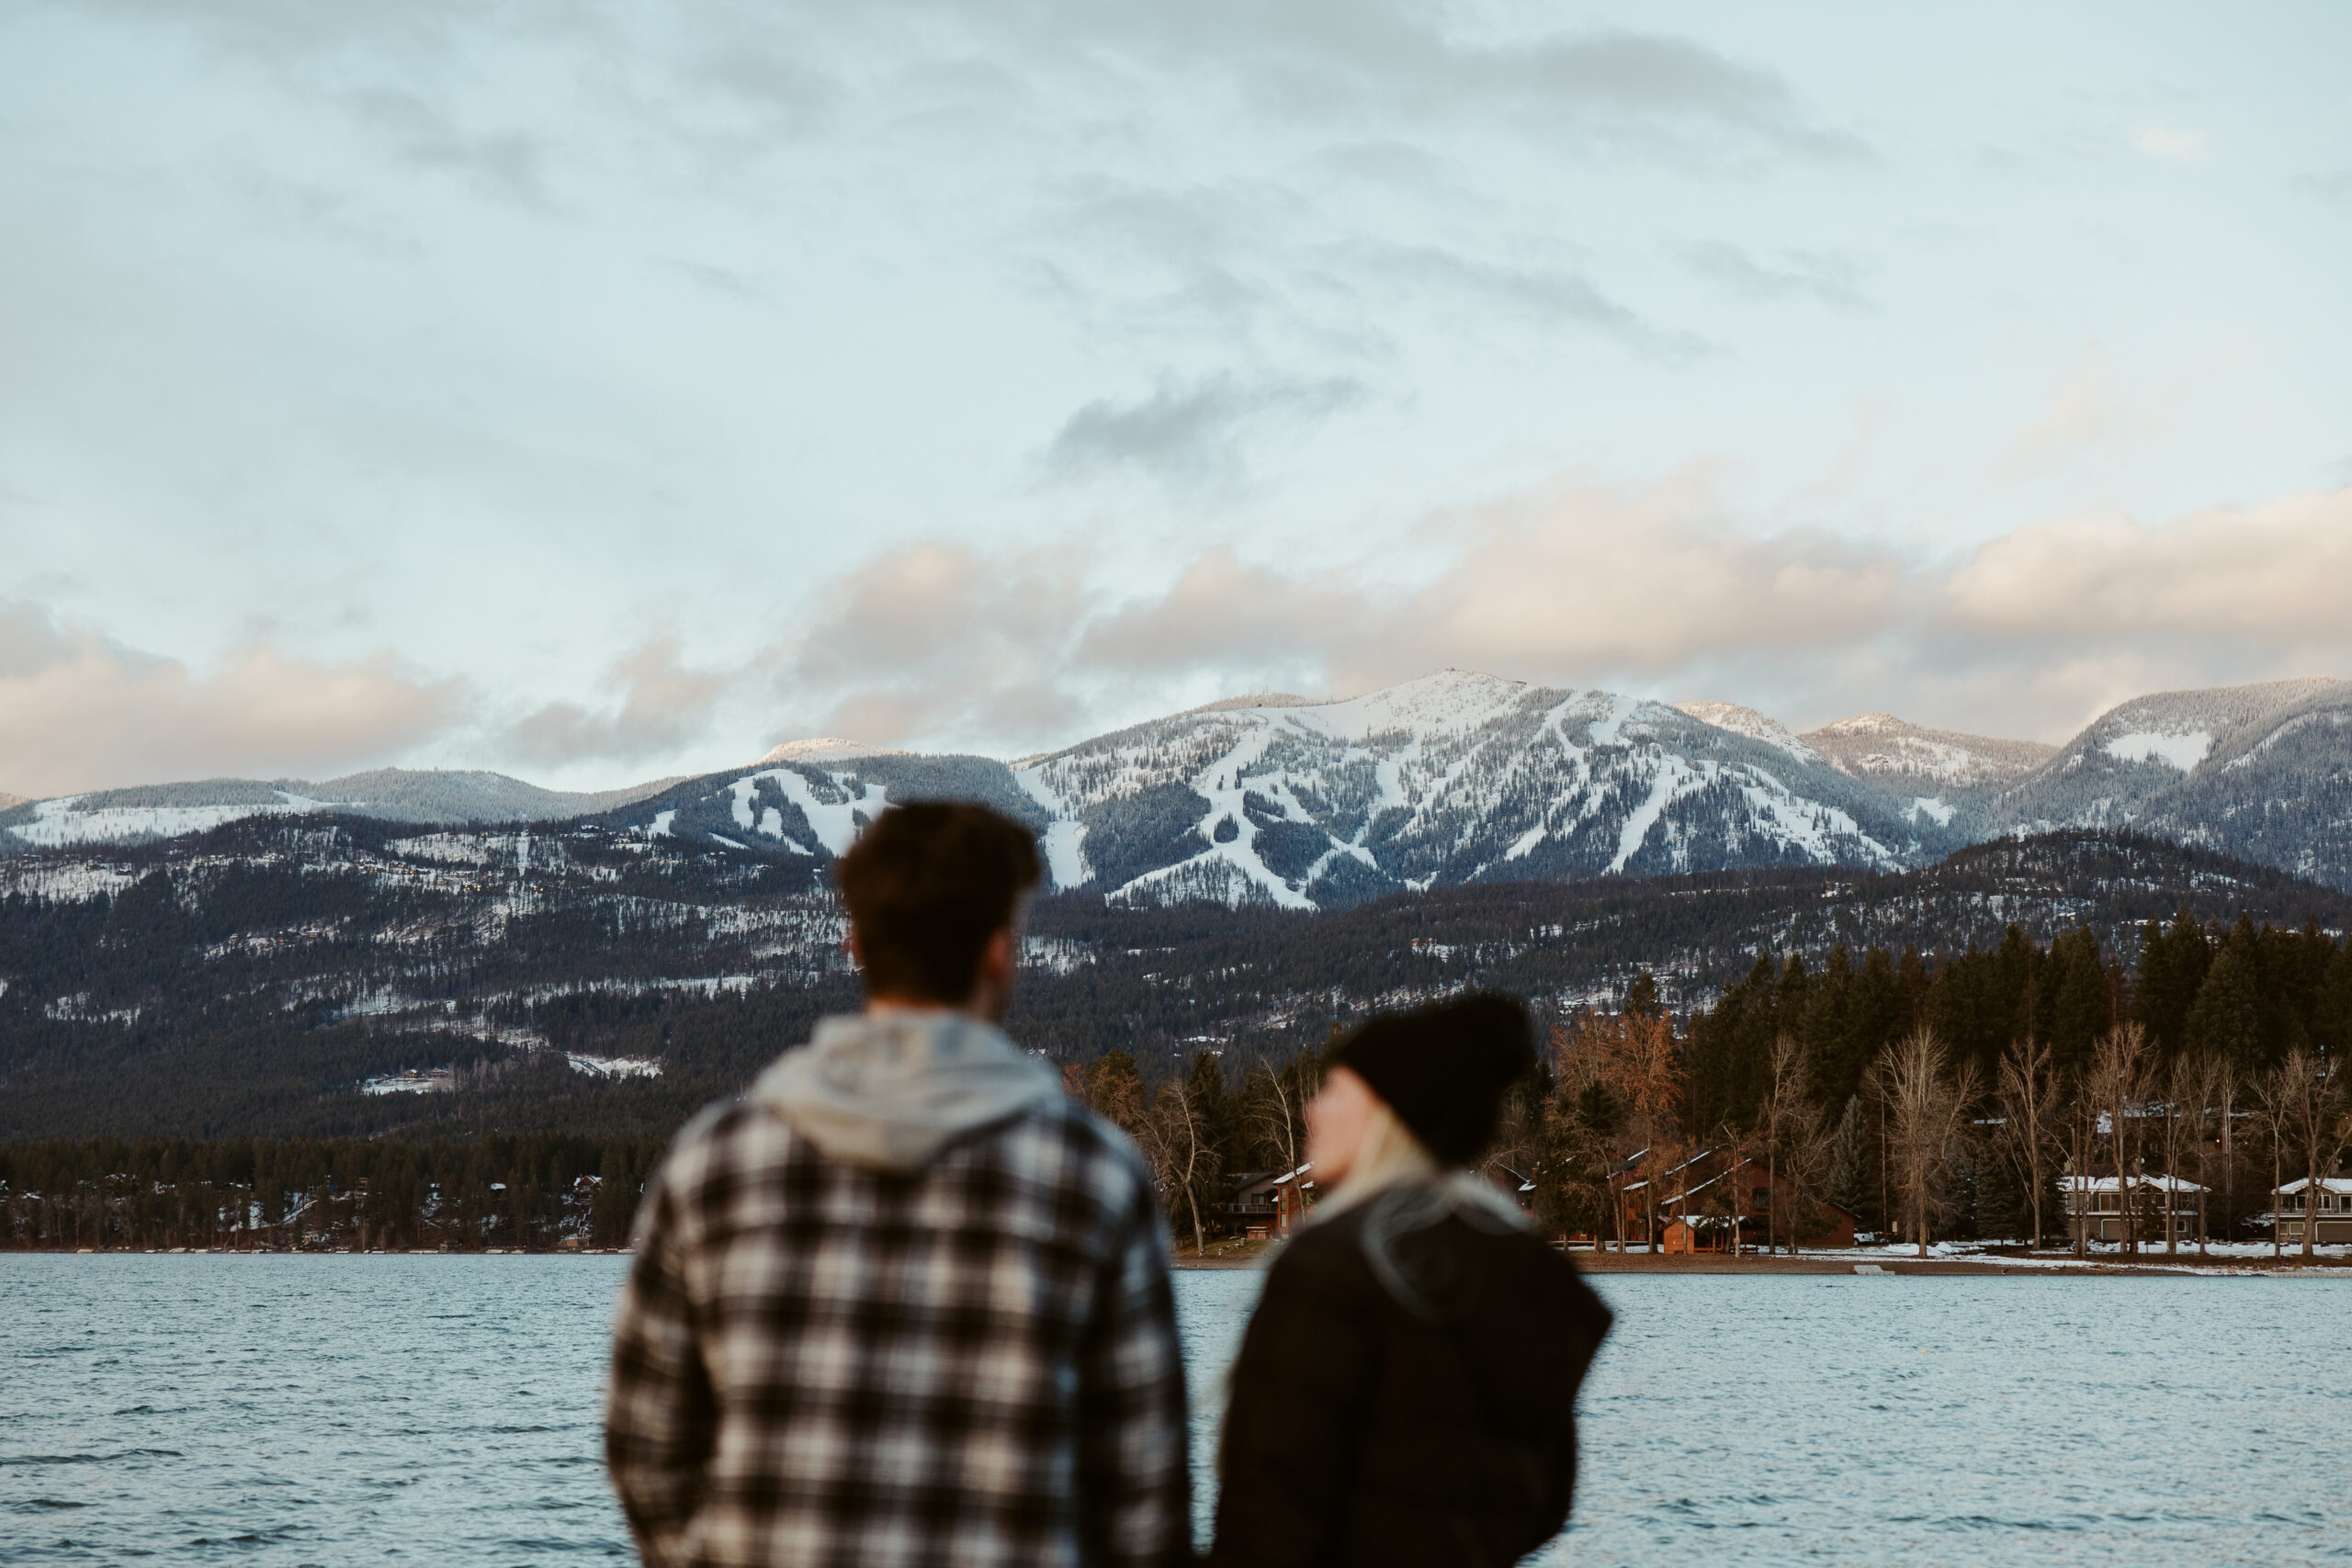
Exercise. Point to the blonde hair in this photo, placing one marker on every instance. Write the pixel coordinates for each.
(1389, 1156)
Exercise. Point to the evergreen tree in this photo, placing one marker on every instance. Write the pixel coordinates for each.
(2173, 962)
(2225, 1021)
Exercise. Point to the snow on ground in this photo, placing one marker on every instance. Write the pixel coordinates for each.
(1746, 721)
(833, 822)
(1674, 778)
(825, 749)
(1450, 699)
(1064, 838)
(72, 882)
(1242, 872)
(58, 823)
(1931, 807)
(2221, 1256)
(437, 1080)
(2182, 752)
(614, 1066)
(442, 849)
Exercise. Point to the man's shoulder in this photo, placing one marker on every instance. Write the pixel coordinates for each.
(723, 1139)
(1054, 1139)
(1087, 1142)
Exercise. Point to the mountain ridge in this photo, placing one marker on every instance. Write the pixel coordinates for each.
(1455, 778)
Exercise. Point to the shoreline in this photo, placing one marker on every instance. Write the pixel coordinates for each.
(2036, 1267)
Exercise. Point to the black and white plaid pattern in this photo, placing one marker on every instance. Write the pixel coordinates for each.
(973, 1364)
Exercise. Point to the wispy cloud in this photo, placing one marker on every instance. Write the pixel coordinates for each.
(1802, 274)
(1191, 435)
(2088, 412)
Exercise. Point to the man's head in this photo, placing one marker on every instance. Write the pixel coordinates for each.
(932, 890)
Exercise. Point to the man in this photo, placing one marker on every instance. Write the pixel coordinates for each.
(904, 1302)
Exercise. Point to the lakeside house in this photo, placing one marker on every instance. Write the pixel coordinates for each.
(1719, 1201)
(1269, 1203)
(2108, 1208)
(1512, 1185)
(2329, 1217)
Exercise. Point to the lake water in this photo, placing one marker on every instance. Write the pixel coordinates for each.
(340, 1410)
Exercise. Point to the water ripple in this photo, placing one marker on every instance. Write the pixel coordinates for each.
(292, 1411)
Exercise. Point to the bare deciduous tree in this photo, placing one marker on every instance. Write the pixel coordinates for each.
(2314, 1127)
(1632, 1057)
(2271, 1118)
(2203, 1087)
(2179, 1128)
(1181, 1152)
(1926, 1119)
(1784, 1103)
(2029, 1119)
(2116, 1087)
(1272, 1115)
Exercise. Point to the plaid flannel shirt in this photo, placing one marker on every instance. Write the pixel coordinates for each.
(973, 1364)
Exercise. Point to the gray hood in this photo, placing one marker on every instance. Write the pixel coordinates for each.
(889, 1090)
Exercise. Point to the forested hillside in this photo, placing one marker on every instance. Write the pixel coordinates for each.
(279, 978)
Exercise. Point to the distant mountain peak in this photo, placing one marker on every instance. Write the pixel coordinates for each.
(1898, 753)
(1872, 724)
(824, 749)
(1258, 700)
(1746, 721)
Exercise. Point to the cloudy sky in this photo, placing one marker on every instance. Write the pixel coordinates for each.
(597, 391)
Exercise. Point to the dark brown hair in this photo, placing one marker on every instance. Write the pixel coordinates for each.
(926, 886)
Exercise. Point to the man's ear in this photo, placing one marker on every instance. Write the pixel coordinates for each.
(1002, 954)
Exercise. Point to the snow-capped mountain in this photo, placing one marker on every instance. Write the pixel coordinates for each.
(1445, 780)
(1438, 782)
(1453, 779)
(1755, 725)
(400, 795)
(1901, 755)
(2263, 771)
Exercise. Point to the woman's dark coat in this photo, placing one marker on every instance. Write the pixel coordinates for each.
(1406, 1394)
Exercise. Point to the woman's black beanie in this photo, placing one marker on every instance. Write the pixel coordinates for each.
(1444, 1069)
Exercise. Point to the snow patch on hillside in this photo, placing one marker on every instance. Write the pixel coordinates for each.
(1064, 842)
(614, 1066)
(61, 823)
(824, 749)
(1932, 807)
(2181, 752)
(65, 882)
(835, 822)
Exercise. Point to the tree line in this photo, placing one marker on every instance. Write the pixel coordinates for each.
(1944, 1098)
(535, 1191)
(1928, 1096)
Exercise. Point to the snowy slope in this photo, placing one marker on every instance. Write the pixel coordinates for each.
(2263, 771)
(825, 749)
(1448, 779)
(1910, 757)
(1457, 778)
(400, 795)
(1755, 725)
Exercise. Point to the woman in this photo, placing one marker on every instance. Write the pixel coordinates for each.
(1407, 1391)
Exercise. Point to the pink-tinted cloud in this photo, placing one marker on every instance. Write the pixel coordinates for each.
(79, 711)
(664, 706)
(2281, 573)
